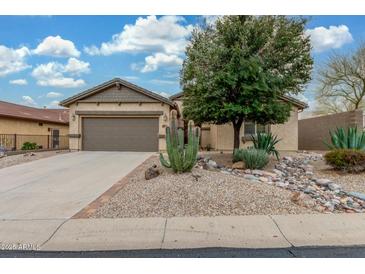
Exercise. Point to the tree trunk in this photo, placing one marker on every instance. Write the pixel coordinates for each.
(236, 133)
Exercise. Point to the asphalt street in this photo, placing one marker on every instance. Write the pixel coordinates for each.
(302, 252)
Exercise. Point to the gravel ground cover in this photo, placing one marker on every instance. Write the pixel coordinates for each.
(349, 181)
(200, 193)
(313, 183)
(12, 160)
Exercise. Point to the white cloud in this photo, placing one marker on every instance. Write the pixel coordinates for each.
(54, 104)
(66, 82)
(27, 100)
(130, 77)
(136, 66)
(150, 34)
(163, 82)
(329, 38)
(20, 82)
(75, 66)
(13, 60)
(57, 46)
(53, 94)
(153, 62)
(52, 74)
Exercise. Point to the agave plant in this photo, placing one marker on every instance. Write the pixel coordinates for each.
(266, 142)
(352, 139)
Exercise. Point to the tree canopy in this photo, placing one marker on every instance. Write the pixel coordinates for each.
(237, 69)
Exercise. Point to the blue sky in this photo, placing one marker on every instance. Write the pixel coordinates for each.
(44, 59)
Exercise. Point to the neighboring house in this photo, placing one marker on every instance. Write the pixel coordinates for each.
(118, 115)
(315, 130)
(19, 124)
(220, 137)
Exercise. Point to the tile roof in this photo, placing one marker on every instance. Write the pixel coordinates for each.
(37, 114)
(294, 101)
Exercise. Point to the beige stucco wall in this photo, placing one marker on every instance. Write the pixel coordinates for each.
(28, 127)
(287, 132)
(76, 120)
(29, 131)
(313, 131)
(220, 137)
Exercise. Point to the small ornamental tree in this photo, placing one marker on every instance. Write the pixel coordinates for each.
(237, 69)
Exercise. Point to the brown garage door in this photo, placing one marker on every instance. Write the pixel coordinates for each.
(120, 134)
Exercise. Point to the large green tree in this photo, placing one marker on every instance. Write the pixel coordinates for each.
(236, 70)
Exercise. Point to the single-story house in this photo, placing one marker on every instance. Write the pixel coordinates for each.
(19, 124)
(220, 137)
(120, 116)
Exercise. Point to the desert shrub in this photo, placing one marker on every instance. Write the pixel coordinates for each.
(350, 139)
(346, 159)
(181, 157)
(29, 146)
(267, 142)
(253, 158)
(237, 155)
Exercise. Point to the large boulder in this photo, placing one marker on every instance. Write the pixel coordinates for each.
(152, 172)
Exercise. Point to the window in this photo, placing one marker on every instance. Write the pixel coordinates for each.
(251, 128)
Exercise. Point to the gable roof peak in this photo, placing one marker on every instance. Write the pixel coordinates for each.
(110, 83)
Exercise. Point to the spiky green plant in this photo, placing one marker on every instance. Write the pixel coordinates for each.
(253, 158)
(350, 139)
(182, 157)
(267, 142)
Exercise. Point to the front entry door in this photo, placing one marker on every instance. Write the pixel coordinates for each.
(55, 138)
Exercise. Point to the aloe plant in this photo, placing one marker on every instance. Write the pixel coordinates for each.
(350, 139)
(266, 142)
(182, 157)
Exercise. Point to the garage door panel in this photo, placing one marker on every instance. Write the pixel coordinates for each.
(120, 134)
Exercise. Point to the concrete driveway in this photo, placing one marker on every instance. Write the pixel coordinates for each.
(60, 186)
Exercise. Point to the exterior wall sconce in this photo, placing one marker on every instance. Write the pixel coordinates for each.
(73, 117)
(164, 117)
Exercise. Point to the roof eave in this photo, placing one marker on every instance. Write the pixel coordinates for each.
(290, 99)
(67, 102)
(34, 119)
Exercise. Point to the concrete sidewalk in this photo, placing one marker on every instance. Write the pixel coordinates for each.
(186, 232)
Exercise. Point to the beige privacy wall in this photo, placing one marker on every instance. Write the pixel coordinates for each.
(220, 137)
(28, 127)
(76, 120)
(313, 131)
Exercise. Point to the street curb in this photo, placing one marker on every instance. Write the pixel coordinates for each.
(252, 231)
(256, 231)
